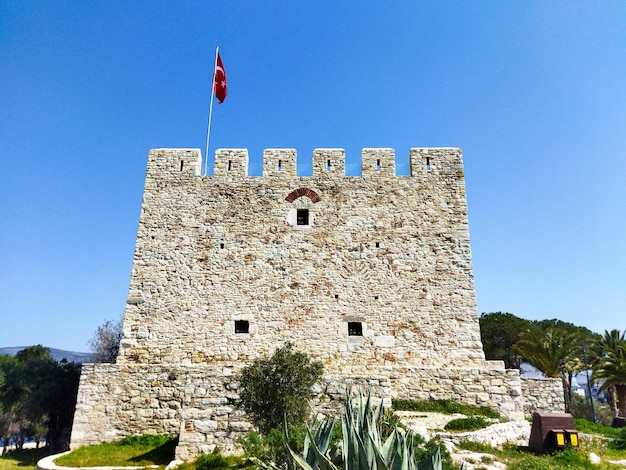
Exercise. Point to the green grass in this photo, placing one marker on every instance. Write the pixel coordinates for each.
(443, 406)
(217, 461)
(131, 451)
(568, 459)
(589, 427)
(25, 459)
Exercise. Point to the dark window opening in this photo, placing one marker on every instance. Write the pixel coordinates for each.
(378, 165)
(302, 217)
(428, 163)
(336, 296)
(230, 165)
(221, 246)
(182, 164)
(242, 326)
(327, 165)
(280, 164)
(377, 244)
(355, 328)
(375, 297)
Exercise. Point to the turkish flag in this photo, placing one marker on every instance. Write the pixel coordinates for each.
(219, 82)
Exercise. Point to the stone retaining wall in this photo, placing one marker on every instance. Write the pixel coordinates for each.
(543, 395)
(199, 402)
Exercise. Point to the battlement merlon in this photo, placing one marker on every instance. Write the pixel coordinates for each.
(281, 163)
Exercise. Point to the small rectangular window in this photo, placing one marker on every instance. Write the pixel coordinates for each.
(428, 163)
(230, 165)
(378, 165)
(327, 165)
(242, 326)
(182, 165)
(303, 217)
(355, 328)
(377, 244)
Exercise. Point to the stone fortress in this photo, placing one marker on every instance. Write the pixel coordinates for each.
(370, 274)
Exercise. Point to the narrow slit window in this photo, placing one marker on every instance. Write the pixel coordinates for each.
(242, 326)
(377, 244)
(230, 165)
(221, 246)
(280, 165)
(428, 163)
(355, 328)
(182, 165)
(327, 165)
(302, 217)
(378, 165)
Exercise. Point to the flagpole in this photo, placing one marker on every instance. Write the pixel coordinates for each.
(208, 130)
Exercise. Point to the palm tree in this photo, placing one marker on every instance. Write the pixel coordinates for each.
(551, 350)
(555, 352)
(609, 365)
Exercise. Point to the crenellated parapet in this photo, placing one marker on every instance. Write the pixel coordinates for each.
(281, 163)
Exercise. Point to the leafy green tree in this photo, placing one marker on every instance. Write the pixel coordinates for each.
(105, 343)
(609, 365)
(499, 332)
(278, 386)
(37, 393)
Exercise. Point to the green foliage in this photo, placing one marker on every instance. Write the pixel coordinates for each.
(581, 408)
(143, 441)
(361, 446)
(499, 332)
(470, 423)
(37, 395)
(216, 461)
(548, 349)
(608, 363)
(130, 451)
(272, 447)
(275, 387)
(443, 406)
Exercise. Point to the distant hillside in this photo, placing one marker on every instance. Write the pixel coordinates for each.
(57, 354)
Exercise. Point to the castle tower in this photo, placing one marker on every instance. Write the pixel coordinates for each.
(371, 275)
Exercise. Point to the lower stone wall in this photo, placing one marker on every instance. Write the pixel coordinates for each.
(543, 395)
(199, 402)
(494, 387)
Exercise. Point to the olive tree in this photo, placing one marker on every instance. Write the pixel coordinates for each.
(278, 386)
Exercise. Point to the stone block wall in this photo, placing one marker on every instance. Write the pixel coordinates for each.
(388, 254)
(543, 395)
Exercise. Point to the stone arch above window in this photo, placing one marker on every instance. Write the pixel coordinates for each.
(296, 193)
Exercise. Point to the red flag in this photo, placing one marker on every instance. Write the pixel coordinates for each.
(219, 82)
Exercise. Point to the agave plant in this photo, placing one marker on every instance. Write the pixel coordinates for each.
(361, 447)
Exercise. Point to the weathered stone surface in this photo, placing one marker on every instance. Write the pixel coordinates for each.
(371, 275)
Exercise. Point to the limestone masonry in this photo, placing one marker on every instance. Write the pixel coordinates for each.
(371, 274)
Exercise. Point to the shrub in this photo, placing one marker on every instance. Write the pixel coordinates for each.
(467, 424)
(581, 408)
(278, 387)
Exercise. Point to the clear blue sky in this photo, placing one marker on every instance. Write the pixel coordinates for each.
(533, 92)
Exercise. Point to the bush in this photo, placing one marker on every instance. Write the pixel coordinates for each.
(279, 387)
(272, 447)
(581, 408)
(467, 424)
